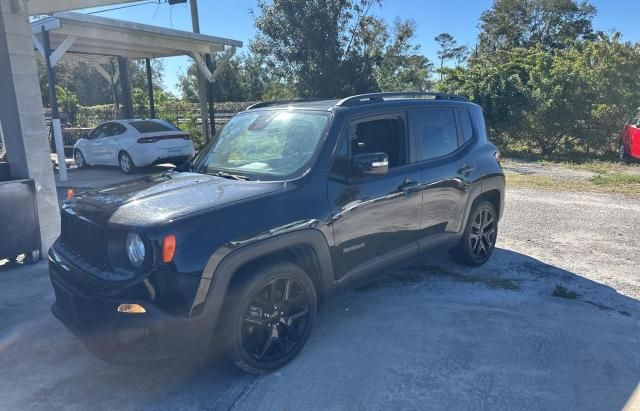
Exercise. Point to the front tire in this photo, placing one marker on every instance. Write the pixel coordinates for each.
(79, 159)
(622, 154)
(126, 163)
(268, 317)
(479, 238)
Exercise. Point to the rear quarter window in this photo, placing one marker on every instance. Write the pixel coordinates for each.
(146, 126)
(466, 125)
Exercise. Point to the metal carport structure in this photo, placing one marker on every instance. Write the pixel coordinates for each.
(97, 40)
(21, 117)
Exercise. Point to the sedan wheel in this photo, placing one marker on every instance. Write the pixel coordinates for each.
(79, 159)
(126, 164)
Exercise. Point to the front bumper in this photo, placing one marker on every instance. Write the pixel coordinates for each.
(120, 337)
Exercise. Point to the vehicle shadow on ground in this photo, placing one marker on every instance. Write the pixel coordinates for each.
(512, 271)
(68, 376)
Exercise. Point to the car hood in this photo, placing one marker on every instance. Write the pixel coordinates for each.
(163, 197)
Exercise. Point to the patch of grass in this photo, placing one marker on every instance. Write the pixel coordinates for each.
(615, 179)
(618, 183)
(491, 282)
(563, 292)
(599, 167)
(419, 273)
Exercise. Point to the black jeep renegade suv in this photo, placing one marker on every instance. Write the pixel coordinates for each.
(293, 202)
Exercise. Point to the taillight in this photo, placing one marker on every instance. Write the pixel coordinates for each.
(497, 156)
(147, 140)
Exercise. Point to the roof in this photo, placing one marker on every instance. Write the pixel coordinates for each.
(50, 6)
(98, 38)
(366, 100)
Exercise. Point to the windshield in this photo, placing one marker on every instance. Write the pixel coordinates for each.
(271, 143)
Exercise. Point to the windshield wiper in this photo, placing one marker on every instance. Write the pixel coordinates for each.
(224, 174)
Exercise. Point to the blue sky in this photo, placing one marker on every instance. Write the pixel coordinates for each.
(232, 19)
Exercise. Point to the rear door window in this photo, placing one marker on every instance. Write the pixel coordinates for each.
(116, 129)
(435, 131)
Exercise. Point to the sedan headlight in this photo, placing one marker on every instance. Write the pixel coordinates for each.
(135, 249)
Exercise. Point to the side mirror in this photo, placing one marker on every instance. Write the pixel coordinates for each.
(370, 164)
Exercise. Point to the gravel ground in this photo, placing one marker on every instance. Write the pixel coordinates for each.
(556, 172)
(435, 335)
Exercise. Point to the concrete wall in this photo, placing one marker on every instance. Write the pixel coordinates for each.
(21, 114)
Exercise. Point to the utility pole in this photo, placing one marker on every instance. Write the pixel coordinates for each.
(202, 81)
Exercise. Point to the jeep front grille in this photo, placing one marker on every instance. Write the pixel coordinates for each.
(85, 240)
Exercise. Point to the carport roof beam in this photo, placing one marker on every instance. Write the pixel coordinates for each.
(95, 37)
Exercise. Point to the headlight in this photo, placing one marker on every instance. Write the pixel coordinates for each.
(135, 249)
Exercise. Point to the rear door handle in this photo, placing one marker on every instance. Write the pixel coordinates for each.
(465, 169)
(409, 185)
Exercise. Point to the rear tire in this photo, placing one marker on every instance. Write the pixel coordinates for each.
(126, 163)
(479, 238)
(268, 317)
(32, 257)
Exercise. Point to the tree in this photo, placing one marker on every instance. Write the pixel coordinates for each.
(308, 44)
(332, 48)
(242, 78)
(550, 24)
(401, 68)
(461, 54)
(447, 45)
(89, 86)
(570, 101)
(67, 102)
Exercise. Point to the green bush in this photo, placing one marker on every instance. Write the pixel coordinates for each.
(569, 103)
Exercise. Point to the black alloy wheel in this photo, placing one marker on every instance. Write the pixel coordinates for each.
(269, 317)
(482, 237)
(479, 238)
(276, 320)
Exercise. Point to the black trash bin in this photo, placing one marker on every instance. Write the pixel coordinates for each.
(19, 220)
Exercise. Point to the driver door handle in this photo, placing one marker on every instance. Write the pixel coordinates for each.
(409, 185)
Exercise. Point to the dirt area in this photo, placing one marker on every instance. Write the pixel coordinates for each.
(551, 322)
(596, 176)
(569, 171)
(557, 171)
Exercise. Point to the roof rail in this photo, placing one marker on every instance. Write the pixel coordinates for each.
(380, 97)
(278, 102)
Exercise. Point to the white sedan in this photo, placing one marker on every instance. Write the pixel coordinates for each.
(133, 143)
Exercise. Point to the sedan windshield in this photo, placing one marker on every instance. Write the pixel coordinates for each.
(274, 143)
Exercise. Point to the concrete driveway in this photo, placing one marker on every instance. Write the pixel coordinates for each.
(552, 322)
